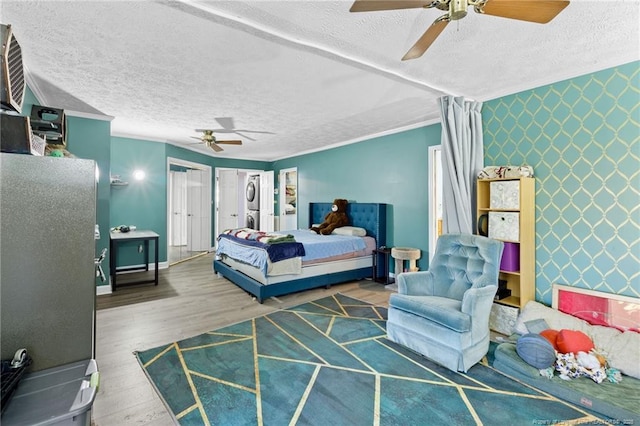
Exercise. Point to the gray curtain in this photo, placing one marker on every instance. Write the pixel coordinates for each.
(462, 160)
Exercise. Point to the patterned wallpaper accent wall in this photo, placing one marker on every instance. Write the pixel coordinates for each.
(582, 137)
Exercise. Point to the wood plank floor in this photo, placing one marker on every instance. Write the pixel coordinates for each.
(189, 300)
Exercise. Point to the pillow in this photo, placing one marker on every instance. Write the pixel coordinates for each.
(536, 325)
(624, 352)
(573, 341)
(536, 351)
(353, 231)
(552, 336)
(556, 319)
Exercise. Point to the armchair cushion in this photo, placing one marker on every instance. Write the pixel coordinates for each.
(419, 283)
(441, 310)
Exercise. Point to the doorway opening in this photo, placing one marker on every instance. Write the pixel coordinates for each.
(188, 210)
(244, 199)
(435, 197)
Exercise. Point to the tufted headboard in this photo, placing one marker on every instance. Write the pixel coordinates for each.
(370, 216)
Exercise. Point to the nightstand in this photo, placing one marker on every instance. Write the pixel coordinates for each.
(385, 253)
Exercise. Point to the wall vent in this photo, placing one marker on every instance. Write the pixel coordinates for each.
(13, 84)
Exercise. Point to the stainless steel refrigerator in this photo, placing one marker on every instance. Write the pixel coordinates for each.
(47, 251)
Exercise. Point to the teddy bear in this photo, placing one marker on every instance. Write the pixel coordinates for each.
(334, 219)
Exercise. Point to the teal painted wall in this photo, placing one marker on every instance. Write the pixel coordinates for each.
(144, 203)
(582, 136)
(91, 139)
(389, 169)
(214, 162)
(355, 172)
(140, 203)
(186, 154)
(29, 101)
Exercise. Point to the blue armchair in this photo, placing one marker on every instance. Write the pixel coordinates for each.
(443, 313)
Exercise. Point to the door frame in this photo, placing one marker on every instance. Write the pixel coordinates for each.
(434, 194)
(198, 230)
(267, 202)
(192, 165)
(243, 175)
(177, 181)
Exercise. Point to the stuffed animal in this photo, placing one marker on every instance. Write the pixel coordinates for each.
(334, 219)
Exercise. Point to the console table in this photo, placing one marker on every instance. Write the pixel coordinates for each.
(145, 236)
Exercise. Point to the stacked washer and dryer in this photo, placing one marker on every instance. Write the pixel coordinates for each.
(253, 202)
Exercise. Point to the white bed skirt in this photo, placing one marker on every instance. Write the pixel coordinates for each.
(307, 270)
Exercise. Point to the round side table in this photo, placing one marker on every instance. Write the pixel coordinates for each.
(402, 254)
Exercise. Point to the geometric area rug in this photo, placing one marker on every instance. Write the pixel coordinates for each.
(328, 362)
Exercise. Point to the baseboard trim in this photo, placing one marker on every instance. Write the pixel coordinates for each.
(106, 288)
(103, 289)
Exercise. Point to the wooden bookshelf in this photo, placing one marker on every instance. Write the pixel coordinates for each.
(520, 282)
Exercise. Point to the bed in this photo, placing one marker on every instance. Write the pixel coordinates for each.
(370, 216)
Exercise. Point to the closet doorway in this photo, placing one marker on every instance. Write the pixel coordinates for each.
(233, 189)
(188, 210)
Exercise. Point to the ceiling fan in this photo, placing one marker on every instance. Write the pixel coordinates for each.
(229, 127)
(539, 11)
(210, 140)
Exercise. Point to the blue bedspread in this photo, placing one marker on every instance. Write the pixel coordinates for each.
(308, 245)
(321, 246)
(276, 252)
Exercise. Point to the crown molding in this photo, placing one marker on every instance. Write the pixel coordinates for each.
(93, 116)
(363, 138)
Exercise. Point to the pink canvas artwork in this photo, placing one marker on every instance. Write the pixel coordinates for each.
(599, 308)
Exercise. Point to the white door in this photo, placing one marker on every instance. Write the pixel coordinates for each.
(227, 199)
(266, 201)
(178, 209)
(198, 210)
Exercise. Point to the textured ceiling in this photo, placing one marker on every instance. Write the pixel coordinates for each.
(306, 74)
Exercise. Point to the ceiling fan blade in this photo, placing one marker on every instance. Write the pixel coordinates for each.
(195, 137)
(374, 5)
(427, 38)
(539, 11)
(233, 142)
(241, 133)
(225, 122)
(254, 131)
(214, 146)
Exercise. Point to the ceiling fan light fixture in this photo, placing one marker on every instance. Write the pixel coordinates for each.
(539, 11)
(209, 140)
(457, 9)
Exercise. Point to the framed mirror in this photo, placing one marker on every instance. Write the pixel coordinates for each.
(288, 188)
